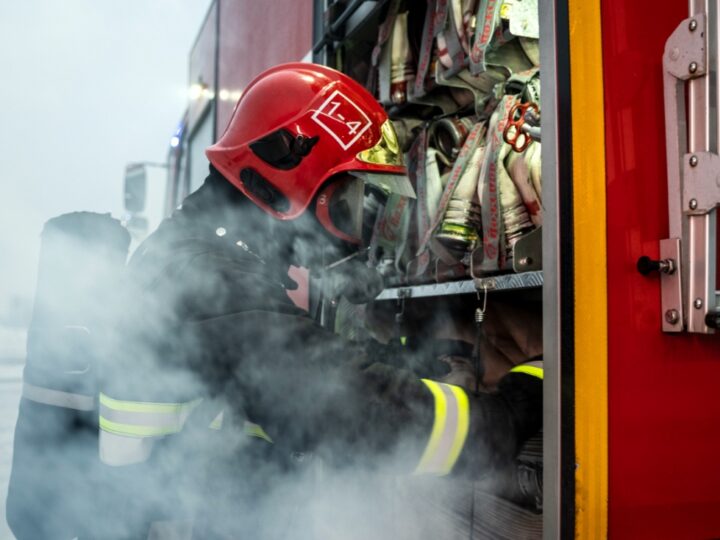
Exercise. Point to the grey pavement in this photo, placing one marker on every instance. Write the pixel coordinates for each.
(12, 359)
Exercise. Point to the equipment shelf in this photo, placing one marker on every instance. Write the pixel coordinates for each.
(525, 280)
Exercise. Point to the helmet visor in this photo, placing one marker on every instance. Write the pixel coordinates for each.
(389, 184)
(348, 207)
(345, 207)
(386, 151)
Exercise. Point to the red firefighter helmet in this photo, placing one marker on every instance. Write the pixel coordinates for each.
(296, 126)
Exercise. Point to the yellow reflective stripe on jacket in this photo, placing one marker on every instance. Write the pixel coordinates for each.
(217, 422)
(449, 431)
(143, 419)
(255, 430)
(251, 429)
(535, 369)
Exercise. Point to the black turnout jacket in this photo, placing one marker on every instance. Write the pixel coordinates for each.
(207, 319)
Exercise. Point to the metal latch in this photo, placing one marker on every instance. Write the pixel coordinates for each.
(687, 258)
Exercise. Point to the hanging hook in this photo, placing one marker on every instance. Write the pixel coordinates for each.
(479, 318)
(480, 313)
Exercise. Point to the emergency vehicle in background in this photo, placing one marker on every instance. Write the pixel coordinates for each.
(630, 135)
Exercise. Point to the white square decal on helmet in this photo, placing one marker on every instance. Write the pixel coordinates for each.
(342, 119)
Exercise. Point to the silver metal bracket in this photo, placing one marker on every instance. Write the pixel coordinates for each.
(671, 288)
(527, 252)
(685, 50)
(688, 293)
(701, 183)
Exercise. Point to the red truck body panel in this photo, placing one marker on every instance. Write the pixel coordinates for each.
(202, 66)
(255, 36)
(664, 410)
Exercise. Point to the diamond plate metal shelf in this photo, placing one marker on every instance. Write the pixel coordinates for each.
(526, 280)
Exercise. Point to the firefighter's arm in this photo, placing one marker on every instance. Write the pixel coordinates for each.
(460, 431)
(308, 387)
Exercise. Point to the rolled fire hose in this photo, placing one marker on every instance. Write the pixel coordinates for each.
(461, 225)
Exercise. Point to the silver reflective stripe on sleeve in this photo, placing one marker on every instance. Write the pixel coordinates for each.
(119, 450)
(450, 429)
(56, 398)
(128, 428)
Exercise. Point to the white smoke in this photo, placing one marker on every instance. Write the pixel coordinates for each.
(87, 87)
(331, 483)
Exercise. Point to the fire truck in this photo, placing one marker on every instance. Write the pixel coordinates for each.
(624, 258)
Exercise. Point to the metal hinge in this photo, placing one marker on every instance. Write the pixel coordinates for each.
(688, 291)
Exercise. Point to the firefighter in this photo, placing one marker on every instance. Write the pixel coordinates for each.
(218, 387)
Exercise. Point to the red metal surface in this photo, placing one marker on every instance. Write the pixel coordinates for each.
(254, 36)
(202, 66)
(664, 409)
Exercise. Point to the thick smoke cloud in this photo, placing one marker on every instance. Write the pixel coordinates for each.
(323, 484)
(88, 87)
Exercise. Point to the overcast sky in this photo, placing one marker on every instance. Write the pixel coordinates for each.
(85, 87)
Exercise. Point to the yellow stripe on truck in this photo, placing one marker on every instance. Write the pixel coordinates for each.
(590, 269)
